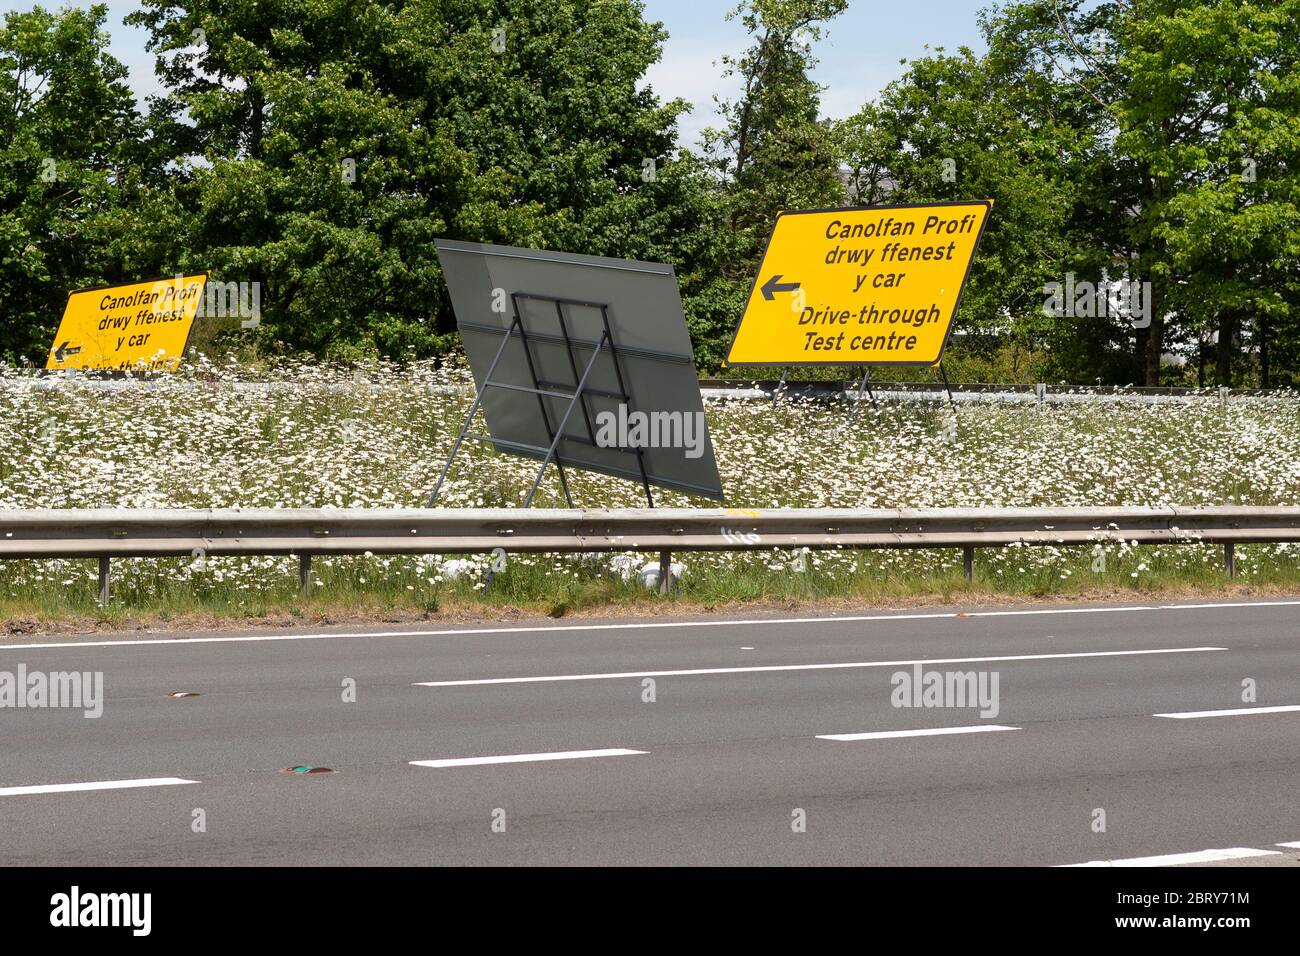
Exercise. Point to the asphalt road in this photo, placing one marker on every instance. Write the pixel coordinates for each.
(737, 748)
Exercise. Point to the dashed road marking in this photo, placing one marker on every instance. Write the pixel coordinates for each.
(928, 732)
(1182, 859)
(525, 758)
(94, 785)
(1234, 712)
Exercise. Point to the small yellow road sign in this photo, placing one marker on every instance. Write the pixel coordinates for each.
(142, 326)
(876, 285)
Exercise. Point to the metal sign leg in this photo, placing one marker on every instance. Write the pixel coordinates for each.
(863, 387)
(473, 409)
(947, 387)
(559, 432)
(780, 386)
(564, 484)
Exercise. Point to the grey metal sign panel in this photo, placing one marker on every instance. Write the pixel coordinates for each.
(565, 303)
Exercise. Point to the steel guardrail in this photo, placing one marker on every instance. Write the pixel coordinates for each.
(128, 533)
(89, 533)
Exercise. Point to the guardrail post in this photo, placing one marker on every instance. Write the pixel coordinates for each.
(968, 562)
(104, 571)
(304, 574)
(1230, 558)
(665, 570)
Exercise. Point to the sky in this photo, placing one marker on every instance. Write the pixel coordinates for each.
(858, 54)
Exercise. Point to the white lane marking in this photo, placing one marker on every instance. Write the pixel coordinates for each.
(1180, 859)
(769, 668)
(525, 758)
(639, 625)
(94, 785)
(930, 732)
(1234, 712)
(1291, 846)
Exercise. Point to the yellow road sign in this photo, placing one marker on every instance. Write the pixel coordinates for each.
(872, 286)
(142, 325)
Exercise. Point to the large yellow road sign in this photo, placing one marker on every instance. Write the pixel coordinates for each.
(871, 286)
(143, 325)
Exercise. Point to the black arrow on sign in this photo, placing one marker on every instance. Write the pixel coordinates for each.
(774, 284)
(63, 351)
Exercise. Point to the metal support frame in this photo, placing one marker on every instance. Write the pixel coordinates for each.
(863, 386)
(559, 432)
(541, 400)
(578, 393)
(473, 409)
(946, 387)
(780, 386)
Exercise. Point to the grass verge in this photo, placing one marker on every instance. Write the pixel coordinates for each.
(172, 597)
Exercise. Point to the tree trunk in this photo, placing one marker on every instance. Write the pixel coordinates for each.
(257, 120)
(1155, 346)
(1223, 348)
(1261, 327)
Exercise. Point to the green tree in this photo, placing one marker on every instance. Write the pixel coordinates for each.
(1153, 141)
(1232, 227)
(337, 138)
(772, 152)
(68, 169)
(959, 127)
(1184, 92)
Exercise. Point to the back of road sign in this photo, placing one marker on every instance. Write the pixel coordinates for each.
(587, 339)
(140, 326)
(875, 285)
